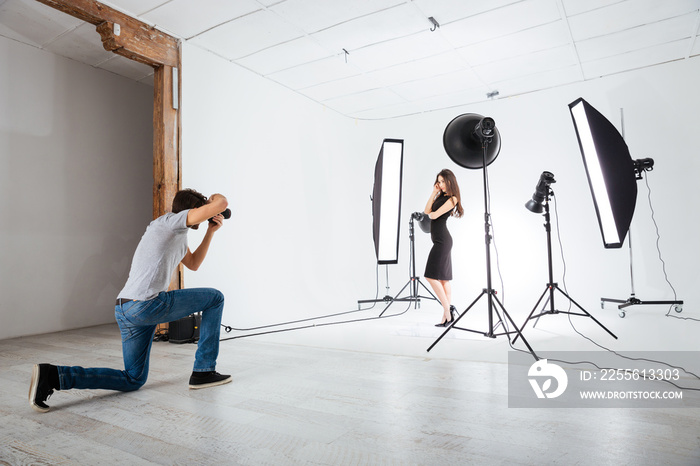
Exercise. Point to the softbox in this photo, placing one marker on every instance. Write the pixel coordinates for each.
(386, 201)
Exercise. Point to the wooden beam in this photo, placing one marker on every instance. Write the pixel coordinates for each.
(166, 170)
(136, 40)
(167, 176)
(143, 43)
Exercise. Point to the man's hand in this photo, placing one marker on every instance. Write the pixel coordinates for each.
(193, 260)
(216, 204)
(216, 222)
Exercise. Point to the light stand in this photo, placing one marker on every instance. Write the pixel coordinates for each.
(414, 281)
(386, 207)
(484, 131)
(640, 166)
(551, 287)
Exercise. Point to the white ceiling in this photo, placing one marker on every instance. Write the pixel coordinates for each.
(374, 59)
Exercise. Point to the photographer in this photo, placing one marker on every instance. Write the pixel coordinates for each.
(144, 303)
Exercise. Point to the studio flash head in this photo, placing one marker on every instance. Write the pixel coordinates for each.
(541, 192)
(423, 221)
(484, 130)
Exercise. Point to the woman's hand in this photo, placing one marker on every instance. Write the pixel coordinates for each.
(429, 205)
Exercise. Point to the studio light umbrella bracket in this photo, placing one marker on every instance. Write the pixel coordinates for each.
(539, 204)
(472, 141)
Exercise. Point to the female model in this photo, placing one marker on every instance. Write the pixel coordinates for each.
(444, 202)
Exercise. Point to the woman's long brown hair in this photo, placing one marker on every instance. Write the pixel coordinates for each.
(452, 190)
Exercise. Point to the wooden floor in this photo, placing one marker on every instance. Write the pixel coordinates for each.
(300, 405)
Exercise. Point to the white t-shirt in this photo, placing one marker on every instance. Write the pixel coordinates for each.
(161, 249)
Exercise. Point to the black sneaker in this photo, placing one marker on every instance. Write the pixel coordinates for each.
(208, 379)
(40, 388)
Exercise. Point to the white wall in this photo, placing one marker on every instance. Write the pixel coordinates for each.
(299, 177)
(75, 180)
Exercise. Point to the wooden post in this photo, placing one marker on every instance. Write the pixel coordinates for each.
(138, 41)
(166, 168)
(167, 178)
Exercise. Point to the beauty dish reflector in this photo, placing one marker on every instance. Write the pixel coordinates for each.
(466, 136)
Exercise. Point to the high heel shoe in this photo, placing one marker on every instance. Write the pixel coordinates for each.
(453, 312)
(445, 323)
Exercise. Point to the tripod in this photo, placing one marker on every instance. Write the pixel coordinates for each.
(551, 287)
(489, 292)
(414, 281)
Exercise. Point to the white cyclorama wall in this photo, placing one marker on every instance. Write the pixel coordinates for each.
(75, 179)
(298, 177)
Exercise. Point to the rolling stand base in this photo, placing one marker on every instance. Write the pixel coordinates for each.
(632, 301)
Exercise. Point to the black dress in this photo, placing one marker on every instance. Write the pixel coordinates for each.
(439, 265)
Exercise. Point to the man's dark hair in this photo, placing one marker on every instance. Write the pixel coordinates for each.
(188, 199)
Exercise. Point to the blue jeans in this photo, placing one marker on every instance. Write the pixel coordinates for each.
(137, 322)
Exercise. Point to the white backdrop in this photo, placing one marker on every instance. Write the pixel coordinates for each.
(299, 177)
